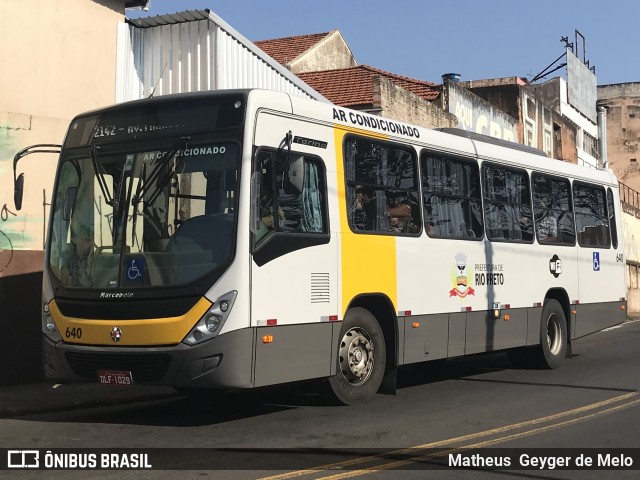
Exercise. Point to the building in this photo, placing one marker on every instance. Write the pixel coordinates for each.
(622, 103)
(382, 93)
(554, 116)
(325, 62)
(310, 53)
(533, 115)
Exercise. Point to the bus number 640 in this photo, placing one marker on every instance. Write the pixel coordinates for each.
(75, 332)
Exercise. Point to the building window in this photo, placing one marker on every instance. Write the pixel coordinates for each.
(590, 144)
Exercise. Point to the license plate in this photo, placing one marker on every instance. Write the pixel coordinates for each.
(113, 377)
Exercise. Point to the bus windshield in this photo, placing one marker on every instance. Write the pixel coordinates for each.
(137, 218)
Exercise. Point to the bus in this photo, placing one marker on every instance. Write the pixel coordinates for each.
(238, 239)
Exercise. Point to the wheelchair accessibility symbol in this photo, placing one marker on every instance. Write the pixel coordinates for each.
(135, 269)
(596, 261)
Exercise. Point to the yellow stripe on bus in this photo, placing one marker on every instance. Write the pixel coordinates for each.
(153, 331)
(368, 262)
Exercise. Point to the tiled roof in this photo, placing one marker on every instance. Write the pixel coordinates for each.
(284, 50)
(354, 86)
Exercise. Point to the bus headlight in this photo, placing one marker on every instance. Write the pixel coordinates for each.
(48, 326)
(212, 321)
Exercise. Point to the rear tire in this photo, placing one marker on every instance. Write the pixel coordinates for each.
(554, 345)
(361, 358)
(553, 335)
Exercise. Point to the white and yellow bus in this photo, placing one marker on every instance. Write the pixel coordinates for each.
(230, 240)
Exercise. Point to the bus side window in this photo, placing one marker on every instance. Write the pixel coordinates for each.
(612, 218)
(300, 212)
(283, 209)
(382, 187)
(553, 210)
(452, 204)
(507, 204)
(592, 221)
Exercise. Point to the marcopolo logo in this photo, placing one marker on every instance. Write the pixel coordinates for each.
(555, 266)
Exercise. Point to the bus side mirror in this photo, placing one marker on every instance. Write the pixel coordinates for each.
(69, 203)
(18, 188)
(18, 182)
(295, 176)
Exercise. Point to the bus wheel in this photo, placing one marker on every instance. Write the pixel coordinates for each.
(553, 335)
(361, 358)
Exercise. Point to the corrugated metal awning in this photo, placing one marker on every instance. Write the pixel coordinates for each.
(170, 19)
(152, 45)
(135, 3)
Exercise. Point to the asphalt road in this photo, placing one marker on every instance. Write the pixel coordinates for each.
(474, 406)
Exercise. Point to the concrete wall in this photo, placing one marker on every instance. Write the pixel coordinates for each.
(400, 104)
(631, 226)
(623, 130)
(332, 52)
(61, 61)
(564, 139)
(504, 93)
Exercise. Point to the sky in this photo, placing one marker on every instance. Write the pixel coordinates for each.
(425, 39)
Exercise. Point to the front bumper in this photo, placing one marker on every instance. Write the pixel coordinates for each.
(222, 362)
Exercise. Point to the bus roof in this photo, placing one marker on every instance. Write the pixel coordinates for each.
(438, 140)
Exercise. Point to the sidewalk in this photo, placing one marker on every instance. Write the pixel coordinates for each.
(18, 400)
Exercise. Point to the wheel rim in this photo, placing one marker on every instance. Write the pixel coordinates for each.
(356, 356)
(554, 334)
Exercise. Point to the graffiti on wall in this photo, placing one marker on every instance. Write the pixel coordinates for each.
(18, 230)
(6, 251)
(6, 245)
(477, 115)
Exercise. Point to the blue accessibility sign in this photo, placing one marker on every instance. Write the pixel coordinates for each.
(135, 270)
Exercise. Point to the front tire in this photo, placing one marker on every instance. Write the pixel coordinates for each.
(361, 358)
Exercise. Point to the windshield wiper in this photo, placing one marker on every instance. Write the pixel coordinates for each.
(128, 167)
(100, 171)
(155, 173)
(135, 200)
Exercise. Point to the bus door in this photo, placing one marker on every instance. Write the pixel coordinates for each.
(293, 267)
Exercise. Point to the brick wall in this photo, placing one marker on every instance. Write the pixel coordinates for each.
(397, 103)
